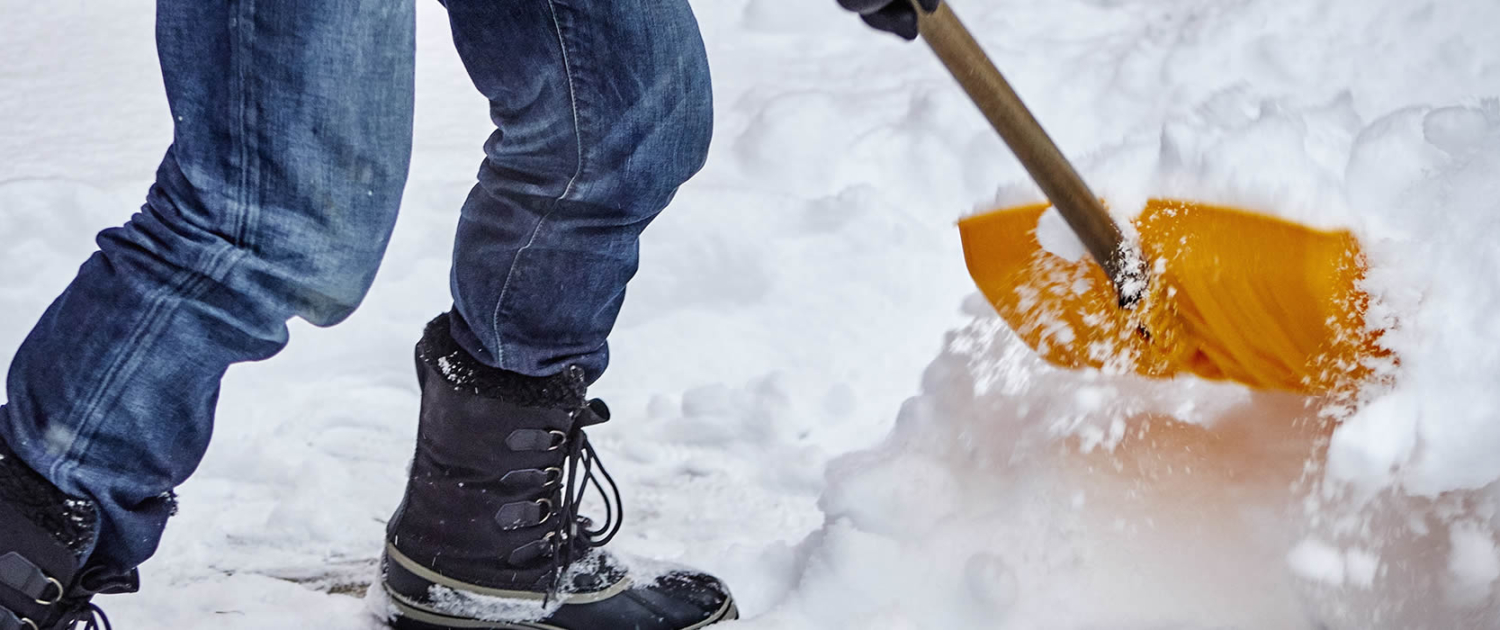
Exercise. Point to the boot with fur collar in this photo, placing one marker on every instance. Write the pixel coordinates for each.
(46, 536)
(488, 535)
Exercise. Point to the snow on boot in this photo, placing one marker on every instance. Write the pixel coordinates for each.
(45, 536)
(489, 535)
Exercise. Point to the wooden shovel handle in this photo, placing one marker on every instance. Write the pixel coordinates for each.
(968, 63)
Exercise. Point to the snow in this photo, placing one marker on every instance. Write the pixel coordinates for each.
(1317, 561)
(810, 400)
(1056, 238)
(486, 607)
(1473, 562)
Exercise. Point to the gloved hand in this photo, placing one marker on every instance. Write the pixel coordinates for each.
(891, 16)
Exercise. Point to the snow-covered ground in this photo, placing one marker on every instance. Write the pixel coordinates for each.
(809, 399)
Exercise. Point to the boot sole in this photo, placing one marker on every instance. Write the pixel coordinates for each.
(406, 617)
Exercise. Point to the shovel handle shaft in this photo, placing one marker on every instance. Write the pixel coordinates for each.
(1067, 192)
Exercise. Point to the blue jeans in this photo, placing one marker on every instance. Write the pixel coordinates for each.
(278, 194)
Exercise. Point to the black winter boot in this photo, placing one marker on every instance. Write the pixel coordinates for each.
(45, 580)
(489, 535)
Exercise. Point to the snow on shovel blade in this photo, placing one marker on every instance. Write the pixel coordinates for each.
(1234, 296)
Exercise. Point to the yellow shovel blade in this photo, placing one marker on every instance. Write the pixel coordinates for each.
(1234, 295)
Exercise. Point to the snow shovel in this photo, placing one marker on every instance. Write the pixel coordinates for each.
(1213, 291)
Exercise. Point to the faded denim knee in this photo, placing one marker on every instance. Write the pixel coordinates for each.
(603, 110)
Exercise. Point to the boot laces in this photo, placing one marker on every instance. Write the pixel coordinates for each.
(584, 470)
(90, 617)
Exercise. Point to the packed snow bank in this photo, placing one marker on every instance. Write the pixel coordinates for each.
(1431, 181)
(1015, 495)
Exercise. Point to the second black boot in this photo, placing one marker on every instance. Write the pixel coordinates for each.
(46, 580)
(489, 535)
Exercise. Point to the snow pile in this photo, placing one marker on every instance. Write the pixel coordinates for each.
(1432, 180)
(999, 502)
(1015, 495)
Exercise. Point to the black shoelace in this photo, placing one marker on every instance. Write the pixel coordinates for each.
(91, 618)
(573, 530)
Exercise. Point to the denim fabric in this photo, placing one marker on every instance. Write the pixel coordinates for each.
(603, 109)
(277, 197)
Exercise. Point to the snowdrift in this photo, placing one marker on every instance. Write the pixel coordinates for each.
(1012, 494)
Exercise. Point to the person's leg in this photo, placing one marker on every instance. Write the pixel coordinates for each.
(603, 109)
(275, 200)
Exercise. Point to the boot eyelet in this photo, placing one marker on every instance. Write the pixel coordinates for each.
(549, 514)
(58, 598)
(559, 439)
(30, 623)
(554, 476)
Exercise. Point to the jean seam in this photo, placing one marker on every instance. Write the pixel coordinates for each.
(562, 46)
(186, 285)
(244, 204)
(81, 417)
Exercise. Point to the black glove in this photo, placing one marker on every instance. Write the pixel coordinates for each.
(891, 16)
